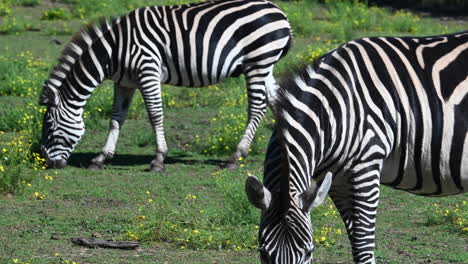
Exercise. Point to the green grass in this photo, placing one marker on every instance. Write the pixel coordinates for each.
(41, 210)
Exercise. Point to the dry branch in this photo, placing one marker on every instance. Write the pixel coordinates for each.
(95, 243)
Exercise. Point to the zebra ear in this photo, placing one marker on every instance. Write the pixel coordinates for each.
(258, 195)
(315, 195)
(49, 97)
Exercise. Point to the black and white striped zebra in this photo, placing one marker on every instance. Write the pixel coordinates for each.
(380, 110)
(186, 45)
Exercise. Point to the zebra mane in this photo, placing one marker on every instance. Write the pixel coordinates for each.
(79, 44)
(282, 104)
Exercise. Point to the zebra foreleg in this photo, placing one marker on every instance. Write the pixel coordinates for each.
(256, 91)
(122, 99)
(357, 203)
(151, 90)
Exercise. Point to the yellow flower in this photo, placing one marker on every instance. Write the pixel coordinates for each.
(15, 261)
(2, 169)
(196, 231)
(190, 196)
(150, 200)
(56, 254)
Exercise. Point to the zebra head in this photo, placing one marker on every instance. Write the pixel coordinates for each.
(285, 234)
(62, 128)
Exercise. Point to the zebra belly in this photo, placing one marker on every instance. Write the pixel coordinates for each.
(401, 172)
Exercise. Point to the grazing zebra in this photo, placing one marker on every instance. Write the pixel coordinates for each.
(186, 45)
(375, 110)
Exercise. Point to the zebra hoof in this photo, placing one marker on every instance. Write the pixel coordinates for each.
(95, 166)
(156, 168)
(232, 166)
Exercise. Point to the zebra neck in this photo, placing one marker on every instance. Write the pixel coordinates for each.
(85, 63)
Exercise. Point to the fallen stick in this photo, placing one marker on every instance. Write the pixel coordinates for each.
(95, 243)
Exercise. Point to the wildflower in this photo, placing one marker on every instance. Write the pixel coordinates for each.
(150, 200)
(56, 254)
(148, 193)
(2, 169)
(196, 231)
(190, 197)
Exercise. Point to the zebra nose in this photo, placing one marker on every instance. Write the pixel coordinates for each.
(60, 164)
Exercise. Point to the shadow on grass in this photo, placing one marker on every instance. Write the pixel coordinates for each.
(83, 160)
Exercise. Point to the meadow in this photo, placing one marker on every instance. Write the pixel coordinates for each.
(193, 212)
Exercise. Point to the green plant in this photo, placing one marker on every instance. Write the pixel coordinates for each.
(15, 157)
(29, 3)
(21, 75)
(226, 130)
(453, 215)
(56, 14)
(5, 9)
(62, 29)
(12, 25)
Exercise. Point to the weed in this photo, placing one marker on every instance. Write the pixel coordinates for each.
(13, 25)
(15, 157)
(5, 9)
(61, 29)
(453, 215)
(28, 3)
(56, 14)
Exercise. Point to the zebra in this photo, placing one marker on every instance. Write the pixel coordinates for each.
(377, 110)
(192, 45)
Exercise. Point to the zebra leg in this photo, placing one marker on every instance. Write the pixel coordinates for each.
(122, 98)
(257, 97)
(151, 91)
(271, 90)
(357, 202)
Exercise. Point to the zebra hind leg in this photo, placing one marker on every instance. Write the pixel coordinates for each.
(122, 99)
(357, 203)
(256, 92)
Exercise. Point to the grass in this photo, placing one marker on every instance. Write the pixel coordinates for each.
(193, 212)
